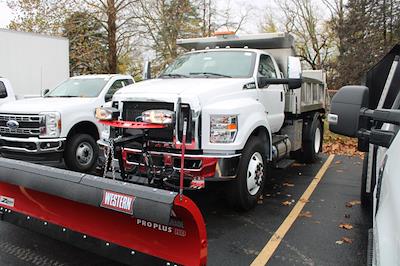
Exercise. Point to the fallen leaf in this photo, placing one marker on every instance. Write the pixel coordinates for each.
(347, 240)
(268, 195)
(288, 184)
(339, 171)
(261, 197)
(304, 200)
(297, 164)
(352, 203)
(306, 214)
(338, 162)
(286, 203)
(346, 226)
(339, 242)
(260, 202)
(317, 222)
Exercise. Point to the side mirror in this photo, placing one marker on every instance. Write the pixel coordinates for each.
(146, 70)
(292, 83)
(345, 110)
(44, 92)
(3, 93)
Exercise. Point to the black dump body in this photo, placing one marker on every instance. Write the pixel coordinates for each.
(375, 79)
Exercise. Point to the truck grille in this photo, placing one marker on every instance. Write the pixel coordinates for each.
(29, 125)
(132, 111)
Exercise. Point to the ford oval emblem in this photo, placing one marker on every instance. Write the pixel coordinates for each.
(12, 124)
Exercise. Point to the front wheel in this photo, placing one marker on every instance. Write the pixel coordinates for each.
(81, 153)
(247, 188)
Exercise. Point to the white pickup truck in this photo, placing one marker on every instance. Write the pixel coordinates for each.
(6, 91)
(248, 107)
(60, 124)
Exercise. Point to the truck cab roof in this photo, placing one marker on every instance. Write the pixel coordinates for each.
(102, 76)
(279, 45)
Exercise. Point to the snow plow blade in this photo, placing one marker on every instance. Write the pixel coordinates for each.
(132, 224)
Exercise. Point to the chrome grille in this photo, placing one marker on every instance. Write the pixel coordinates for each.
(29, 125)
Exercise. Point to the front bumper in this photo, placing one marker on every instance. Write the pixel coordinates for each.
(212, 167)
(31, 145)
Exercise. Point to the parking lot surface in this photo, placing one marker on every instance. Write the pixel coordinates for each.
(315, 238)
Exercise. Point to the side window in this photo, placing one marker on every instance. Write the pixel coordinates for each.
(118, 84)
(127, 82)
(266, 67)
(3, 90)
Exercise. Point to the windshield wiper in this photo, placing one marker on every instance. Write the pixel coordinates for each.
(61, 96)
(173, 75)
(210, 74)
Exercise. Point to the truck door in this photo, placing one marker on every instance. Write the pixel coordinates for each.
(271, 96)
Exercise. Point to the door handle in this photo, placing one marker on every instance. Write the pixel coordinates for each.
(281, 96)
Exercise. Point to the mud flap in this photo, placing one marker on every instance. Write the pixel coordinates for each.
(133, 224)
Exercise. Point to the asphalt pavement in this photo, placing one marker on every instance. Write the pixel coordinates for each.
(315, 238)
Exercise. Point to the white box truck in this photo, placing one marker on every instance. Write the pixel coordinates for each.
(33, 62)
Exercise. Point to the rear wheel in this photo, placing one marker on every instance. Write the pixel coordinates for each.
(247, 188)
(312, 139)
(81, 153)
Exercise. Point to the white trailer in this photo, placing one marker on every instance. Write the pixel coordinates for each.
(32, 62)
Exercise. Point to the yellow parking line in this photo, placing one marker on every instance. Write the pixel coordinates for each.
(269, 249)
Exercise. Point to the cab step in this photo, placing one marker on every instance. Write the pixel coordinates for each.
(285, 163)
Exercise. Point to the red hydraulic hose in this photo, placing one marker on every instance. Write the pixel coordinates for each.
(182, 174)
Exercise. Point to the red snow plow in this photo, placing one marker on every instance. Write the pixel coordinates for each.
(131, 223)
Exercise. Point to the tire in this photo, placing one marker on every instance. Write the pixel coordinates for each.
(251, 172)
(312, 139)
(81, 153)
(366, 198)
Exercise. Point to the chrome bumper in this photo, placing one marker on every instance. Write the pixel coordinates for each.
(32, 145)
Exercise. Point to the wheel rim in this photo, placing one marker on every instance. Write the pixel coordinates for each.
(255, 173)
(84, 153)
(317, 140)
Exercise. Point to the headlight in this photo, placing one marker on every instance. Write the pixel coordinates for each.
(105, 133)
(107, 113)
(223, 128)
(52, 127)
(163, 117)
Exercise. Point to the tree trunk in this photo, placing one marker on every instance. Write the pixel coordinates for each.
(112, 40)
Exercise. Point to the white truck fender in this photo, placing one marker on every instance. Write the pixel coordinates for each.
(251, 116)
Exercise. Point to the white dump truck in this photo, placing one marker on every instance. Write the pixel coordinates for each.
(246, 104)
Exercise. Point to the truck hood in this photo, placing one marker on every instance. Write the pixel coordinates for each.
(37, 105)
(205, 89)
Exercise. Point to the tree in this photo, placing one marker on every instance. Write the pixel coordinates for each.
(87, 45)
(268, 25)
(38, 16)
(162, 22)
(313, 38)
(116, 18)
(231, 21)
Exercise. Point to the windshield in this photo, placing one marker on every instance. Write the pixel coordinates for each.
(229, 64)
(79, 88)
